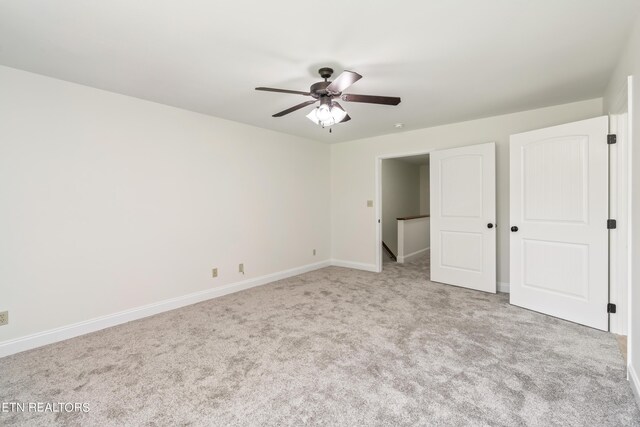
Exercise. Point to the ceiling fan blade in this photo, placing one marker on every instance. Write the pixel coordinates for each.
(343, 81)
(346, 119)
(294, 108)
(295, 92)
(371, 99)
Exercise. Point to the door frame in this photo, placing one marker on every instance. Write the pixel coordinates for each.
(621, 248)
(620, 241)
(377, 199)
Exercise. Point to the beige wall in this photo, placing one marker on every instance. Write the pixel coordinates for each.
(630, 65)
(424, 190)
(400, 197)
(111, 202)
(353, 166)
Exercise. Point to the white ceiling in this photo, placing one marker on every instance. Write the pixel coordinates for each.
(449, 60)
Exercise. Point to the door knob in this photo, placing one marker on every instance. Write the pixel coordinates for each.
(514, 228)
(489, 225)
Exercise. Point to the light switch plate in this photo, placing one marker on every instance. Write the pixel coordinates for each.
(369, 203)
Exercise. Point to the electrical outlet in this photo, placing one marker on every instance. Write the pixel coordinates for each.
(4, 317)
(241, 268)
(214, 272)
(314, 252)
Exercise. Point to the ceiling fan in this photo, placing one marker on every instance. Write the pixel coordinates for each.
(330, 112)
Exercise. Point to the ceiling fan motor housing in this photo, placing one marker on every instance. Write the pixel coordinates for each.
(319, 89)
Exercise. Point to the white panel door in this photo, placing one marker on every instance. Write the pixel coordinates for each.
(559, 206)
(463, 212)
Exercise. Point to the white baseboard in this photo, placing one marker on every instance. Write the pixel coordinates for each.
(412, 255)
(635, 382)
(354, 265)
(70, 331)
(503, 287)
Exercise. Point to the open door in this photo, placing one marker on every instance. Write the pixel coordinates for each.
(463, 212)
(559, 209)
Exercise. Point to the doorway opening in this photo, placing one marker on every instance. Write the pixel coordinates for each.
(403, 209)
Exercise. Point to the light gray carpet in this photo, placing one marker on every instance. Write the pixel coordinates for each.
(333, 347)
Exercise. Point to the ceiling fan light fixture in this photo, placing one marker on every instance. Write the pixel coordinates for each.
(323, 113)
(313, 116)
(327, 115)
(338, 113)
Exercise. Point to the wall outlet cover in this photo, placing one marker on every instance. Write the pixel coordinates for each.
(214, 272)
(369, 203)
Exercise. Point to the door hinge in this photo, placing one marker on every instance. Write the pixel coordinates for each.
(612, 138)
(611, 224)
(611, 308)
